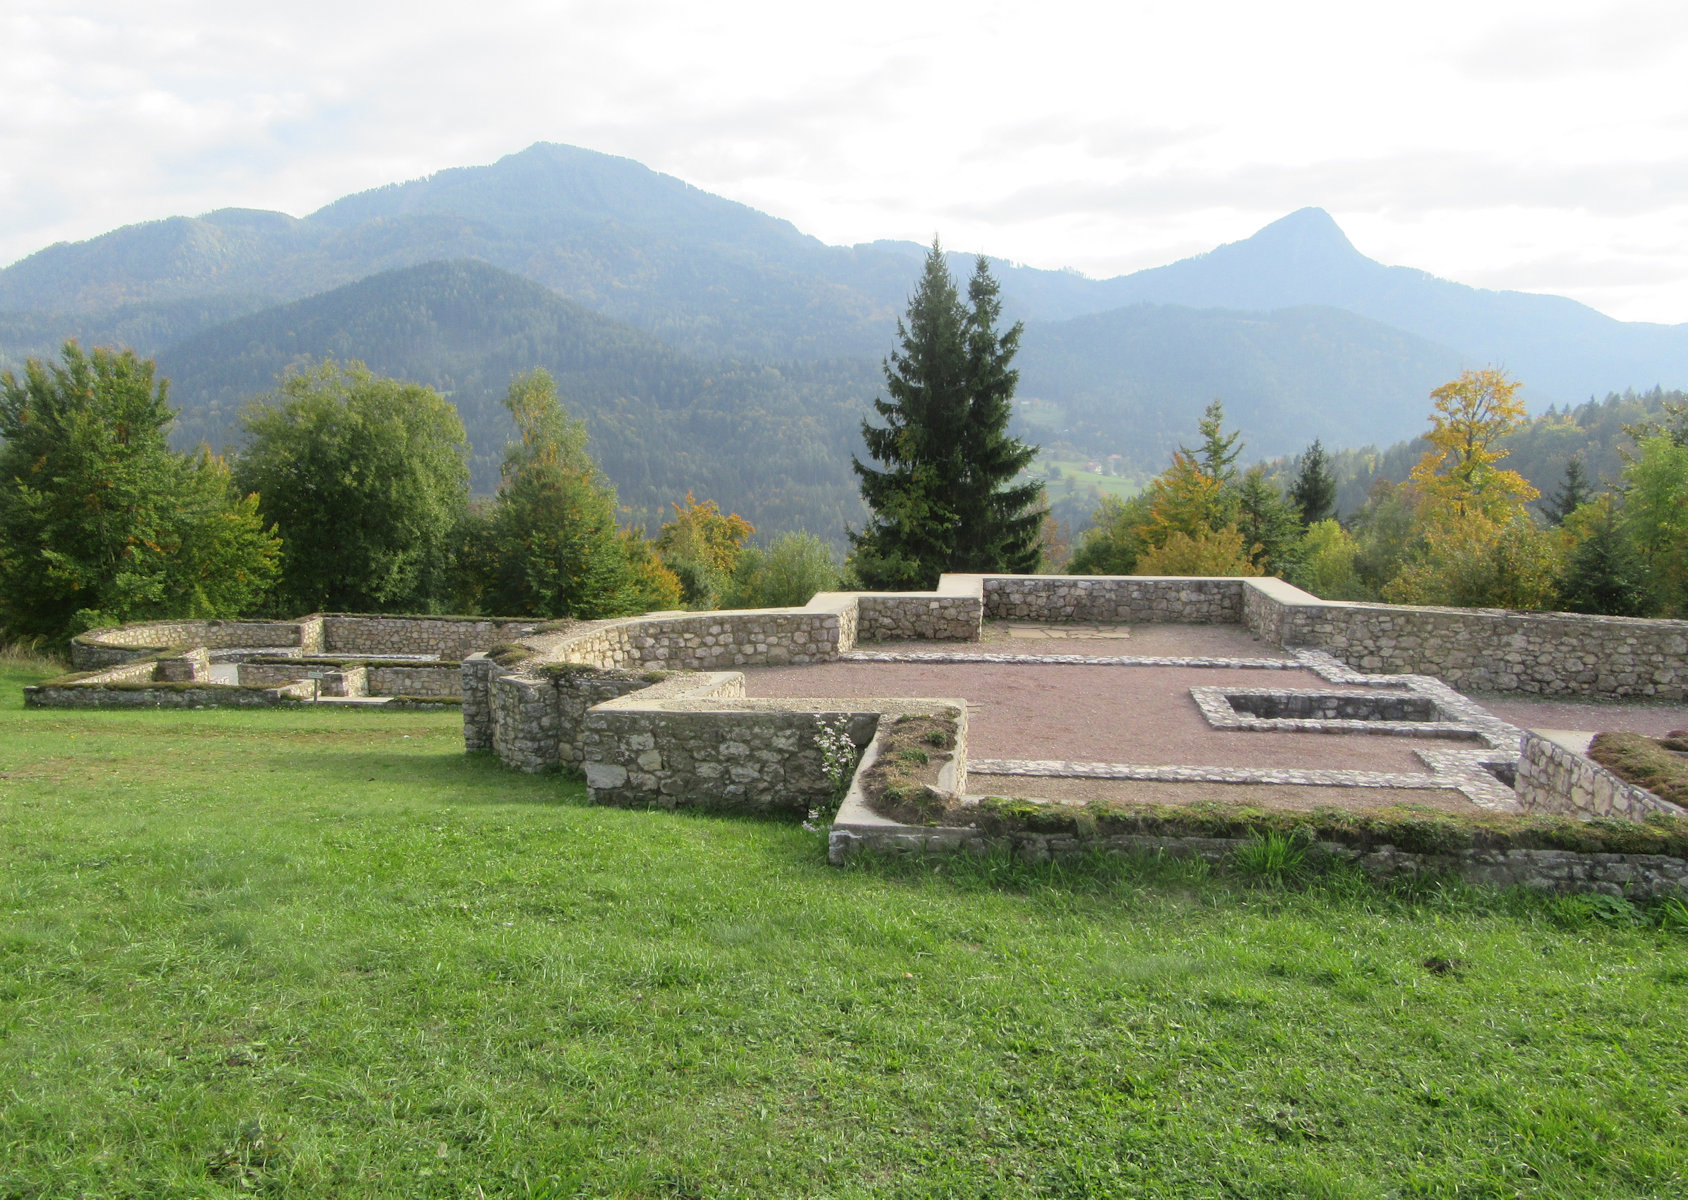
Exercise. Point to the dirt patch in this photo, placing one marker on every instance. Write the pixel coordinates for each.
(1651, 763)
(913, 751)
(1287, 797)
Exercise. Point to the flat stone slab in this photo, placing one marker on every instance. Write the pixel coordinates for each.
(1075, 630)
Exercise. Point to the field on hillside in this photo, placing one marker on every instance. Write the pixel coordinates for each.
(327, 954)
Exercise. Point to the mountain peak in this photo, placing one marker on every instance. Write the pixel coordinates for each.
(1306, 237)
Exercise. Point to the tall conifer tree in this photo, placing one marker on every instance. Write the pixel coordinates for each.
(943, 503)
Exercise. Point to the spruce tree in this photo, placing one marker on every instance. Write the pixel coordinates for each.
(943, 501)
(1572, 494)
(1314, 489)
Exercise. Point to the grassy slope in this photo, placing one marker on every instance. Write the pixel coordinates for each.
(327, 954)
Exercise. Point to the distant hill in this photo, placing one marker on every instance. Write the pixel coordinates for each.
(1562, 350)
(1134, 381)
(768, 442)
(715, 347)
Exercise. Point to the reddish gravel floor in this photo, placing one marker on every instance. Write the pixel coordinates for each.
(1650, 719)
(1085, 713)
(1260, 795)
(1140, 641)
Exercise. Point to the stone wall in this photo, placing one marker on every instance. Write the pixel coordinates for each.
(104, 647)
(1480, 649)
(1109, 598)
(1554, 779)
(414, 679)
(757, 756)
(951, 613)
(1635, 876)
(146, 694)
(446, 637)
(187, 667)
(714, 641)
(476, 674)
(534, 721)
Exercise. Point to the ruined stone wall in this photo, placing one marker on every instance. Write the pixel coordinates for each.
(1635, 876)
(146, 693)
(1481, 649)
(917, 616)
(1105, 598)
(448, 637)
(476, 674)
(421, 679)
(105, 647)
(1552, 779)
(750, 756)
(187, 667)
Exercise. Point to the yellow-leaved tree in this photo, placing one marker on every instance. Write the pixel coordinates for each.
(1480, 546)
(1458, 475)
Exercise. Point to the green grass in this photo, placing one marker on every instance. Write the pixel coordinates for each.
(1075, 476)
(295, 953)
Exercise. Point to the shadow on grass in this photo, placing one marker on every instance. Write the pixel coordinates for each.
(473, 778)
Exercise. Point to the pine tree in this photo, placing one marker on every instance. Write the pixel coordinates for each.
(1267, 522)
(1572, 494)
(1603, 573)
(1001, 525)
(1219, 451)
(942, 502)
(1314, 489)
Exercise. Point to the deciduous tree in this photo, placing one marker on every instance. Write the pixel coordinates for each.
(365, 478)
(100, 522)
(559, 553)
(1458, 474)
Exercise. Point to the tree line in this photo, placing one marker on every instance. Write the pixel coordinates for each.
(350, 494)
(1462, 528)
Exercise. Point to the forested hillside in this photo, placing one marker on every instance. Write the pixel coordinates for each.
(715, 348)
(770, 442)
(1132, 382)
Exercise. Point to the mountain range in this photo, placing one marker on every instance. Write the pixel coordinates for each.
(715, 348)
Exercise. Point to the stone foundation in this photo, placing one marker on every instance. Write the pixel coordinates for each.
(1553, 778)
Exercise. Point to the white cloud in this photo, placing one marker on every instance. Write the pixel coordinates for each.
(1099, 137)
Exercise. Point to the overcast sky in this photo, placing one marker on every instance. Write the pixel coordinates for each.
(1538, 145)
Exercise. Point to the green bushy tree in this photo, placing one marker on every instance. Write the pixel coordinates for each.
(100, 522)
(785, 575)
(365, 478)
(1114, 542)
(558, 551)
(1655, 519)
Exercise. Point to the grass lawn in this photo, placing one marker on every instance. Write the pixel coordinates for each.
(327, 954)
